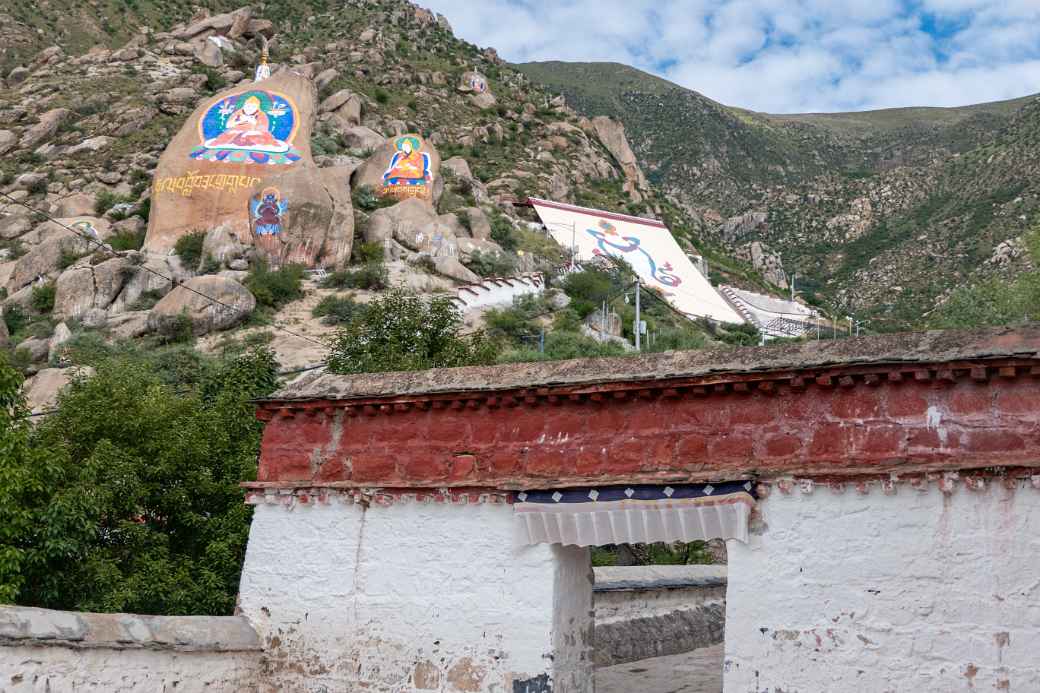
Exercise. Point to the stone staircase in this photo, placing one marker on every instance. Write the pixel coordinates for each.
(499, 291)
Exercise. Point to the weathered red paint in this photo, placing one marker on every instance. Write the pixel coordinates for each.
(844, 422)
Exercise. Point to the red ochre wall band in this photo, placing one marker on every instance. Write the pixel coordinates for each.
(842, 422)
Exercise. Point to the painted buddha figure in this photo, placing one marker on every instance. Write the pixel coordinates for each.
(248, 127)
(409, 165)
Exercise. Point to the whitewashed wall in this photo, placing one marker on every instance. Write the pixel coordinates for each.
(916, 591)
(412, 596)
(45, 651)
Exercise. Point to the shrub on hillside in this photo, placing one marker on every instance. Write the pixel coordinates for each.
(502, 232)
(274, 288)
(366, 199)
(491, 264)
(368, 252)
(43, 297)
(189, 249)
(127, 240)
(336, 310)
(371, 276)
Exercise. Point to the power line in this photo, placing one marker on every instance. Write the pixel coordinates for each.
(101, 246)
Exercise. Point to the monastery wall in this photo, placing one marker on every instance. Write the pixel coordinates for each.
(909, 589)
(60, 651)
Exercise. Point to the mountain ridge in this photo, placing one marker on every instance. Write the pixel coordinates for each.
(881, 212)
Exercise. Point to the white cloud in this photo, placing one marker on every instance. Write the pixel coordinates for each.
(782, 55)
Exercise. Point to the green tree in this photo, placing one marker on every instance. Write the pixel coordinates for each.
(24, 469)
(135, 504)
(399, 331)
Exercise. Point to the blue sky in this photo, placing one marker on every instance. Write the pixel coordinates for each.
(782, 56)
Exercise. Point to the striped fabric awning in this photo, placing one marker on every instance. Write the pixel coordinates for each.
(634, 514)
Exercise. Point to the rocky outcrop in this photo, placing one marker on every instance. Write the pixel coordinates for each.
(243, 161)
(46, 127)
(739, 227)
(612, 134)
(148, 276)
(192, 299)
(765, 262)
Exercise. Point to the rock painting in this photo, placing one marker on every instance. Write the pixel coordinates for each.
(242, 163)
(410, 173)
(629, 248)
(256, 126)
(268, 211)
(477, 83)
(86, 228)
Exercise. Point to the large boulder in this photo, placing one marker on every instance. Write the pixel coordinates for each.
(478, 225)
(43, 389)
(38, 348)
(44, 261)
(243, 161)
(77, 204)
(62, 334)
(344, 105)
(193, 298)
(405, 167)
(8, 140)
(414, 225)
(84, 286)
(46, 127)
(360, 138)
(152, 277)
(15, 225)
(476, 85)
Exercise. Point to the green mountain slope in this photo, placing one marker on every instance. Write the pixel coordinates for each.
(880, 212)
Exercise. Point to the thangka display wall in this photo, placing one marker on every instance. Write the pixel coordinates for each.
(647, 245)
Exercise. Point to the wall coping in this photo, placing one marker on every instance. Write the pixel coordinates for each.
(786, 362)
(658, 577)
(22, 626)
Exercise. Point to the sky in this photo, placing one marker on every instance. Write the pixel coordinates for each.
(781, 56)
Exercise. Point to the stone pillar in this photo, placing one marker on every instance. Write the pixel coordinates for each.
(413, 595)
(912, 589)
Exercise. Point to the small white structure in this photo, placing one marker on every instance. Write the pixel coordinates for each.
(495, 292)
(774, 317)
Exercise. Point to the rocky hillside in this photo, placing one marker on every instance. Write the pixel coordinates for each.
(102, 236)
(879, 213)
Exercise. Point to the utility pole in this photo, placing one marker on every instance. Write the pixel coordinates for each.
(793, 276)
(638, 323)
(574, 245)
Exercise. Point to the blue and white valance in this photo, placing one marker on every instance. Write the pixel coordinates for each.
(637, 514)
